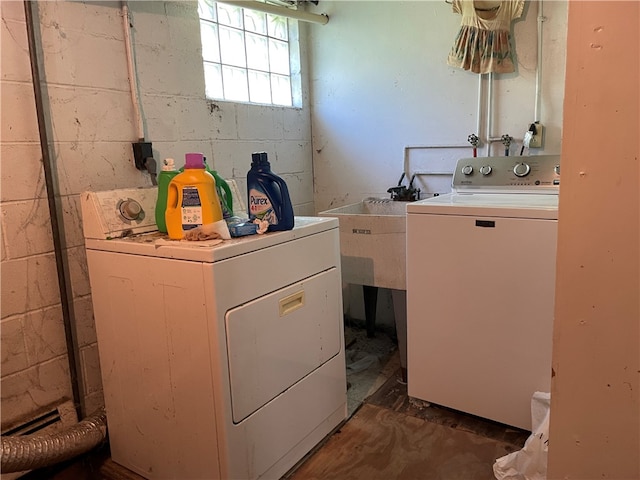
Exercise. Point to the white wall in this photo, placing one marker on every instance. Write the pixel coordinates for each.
(380, 82)
(91, 127)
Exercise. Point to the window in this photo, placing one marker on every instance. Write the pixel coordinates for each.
(248, 55)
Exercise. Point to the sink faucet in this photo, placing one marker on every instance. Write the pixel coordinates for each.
(404, 194)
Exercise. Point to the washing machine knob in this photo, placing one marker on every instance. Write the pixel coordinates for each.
(467, 169)
(130, 209)
(485, 170)
(521, 169)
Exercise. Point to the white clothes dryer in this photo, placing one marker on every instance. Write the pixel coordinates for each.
(219, 361)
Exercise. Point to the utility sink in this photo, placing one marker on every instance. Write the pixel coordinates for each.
(373, 242)
(373, 250)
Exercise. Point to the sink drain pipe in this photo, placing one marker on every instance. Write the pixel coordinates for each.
(28, 452)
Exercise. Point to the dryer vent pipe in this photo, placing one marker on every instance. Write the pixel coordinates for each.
(30, 452)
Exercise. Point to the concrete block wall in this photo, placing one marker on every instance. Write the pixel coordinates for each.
(34, 364)
(177, 119)
(91, 125)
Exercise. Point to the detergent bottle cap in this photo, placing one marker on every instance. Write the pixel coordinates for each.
(168, 165)
(194, 160)
(259, 159)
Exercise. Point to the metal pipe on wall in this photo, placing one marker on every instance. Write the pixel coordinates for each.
(28, 452)
(321, 19)
(536, 109)
(57, 228)
(133, 79)
(407, 148)
(490, 79)
(489, 124)
(479, 110)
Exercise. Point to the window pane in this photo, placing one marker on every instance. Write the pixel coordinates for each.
(232, 46)
(246, 55)
(255, 21)
(207, 9)
(279, 56)
(213, 81)
(278, 27)
(230, 15)
(235, 84)
(257, 52)
(210, 48)
(281, 90)
(259, 87)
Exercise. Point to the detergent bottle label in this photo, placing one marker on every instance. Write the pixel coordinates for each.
(191, 208)
(260, 207)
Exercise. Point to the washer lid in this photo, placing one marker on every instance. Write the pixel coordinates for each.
(520, 205)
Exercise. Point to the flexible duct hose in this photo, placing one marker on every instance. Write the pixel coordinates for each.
(29, 452)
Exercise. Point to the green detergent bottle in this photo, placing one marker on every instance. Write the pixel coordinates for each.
(164, 178)
(224, 192)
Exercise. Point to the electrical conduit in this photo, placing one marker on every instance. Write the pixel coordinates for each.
(133, 79)
(536, 111)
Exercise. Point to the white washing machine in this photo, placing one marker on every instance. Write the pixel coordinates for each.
(480, 288)
(220, 361)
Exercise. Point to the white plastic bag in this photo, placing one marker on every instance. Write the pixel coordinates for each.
(530, 463)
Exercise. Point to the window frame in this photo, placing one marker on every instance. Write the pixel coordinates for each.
(294, 61)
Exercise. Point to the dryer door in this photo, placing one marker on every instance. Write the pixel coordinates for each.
(276, 340)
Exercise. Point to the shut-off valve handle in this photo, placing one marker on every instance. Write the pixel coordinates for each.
(506, 141)
(473, 140)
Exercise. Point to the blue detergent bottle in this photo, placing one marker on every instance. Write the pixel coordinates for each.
(268, 195)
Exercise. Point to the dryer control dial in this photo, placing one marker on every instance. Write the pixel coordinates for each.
(130, 209)
(521, 169)
(467, 169)
(485, 170)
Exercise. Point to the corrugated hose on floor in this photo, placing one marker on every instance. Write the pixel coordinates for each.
(30, 452)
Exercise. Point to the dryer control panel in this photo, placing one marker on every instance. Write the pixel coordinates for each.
(118, 213)
(531, 174)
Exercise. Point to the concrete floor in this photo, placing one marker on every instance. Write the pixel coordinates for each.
(370, 363)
